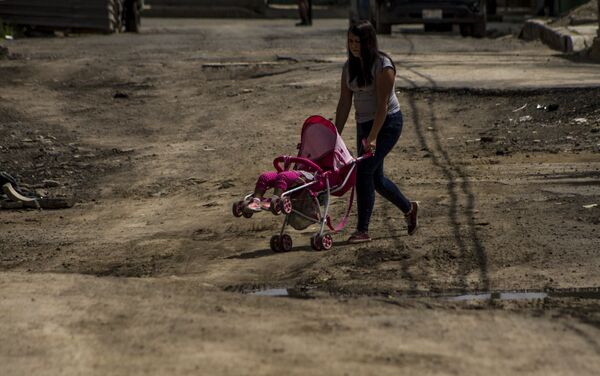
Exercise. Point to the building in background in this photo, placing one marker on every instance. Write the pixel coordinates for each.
(107, 16)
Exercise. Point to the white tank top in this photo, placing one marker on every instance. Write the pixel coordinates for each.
(365, 98)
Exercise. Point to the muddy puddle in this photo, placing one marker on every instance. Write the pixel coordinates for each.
(581, 293)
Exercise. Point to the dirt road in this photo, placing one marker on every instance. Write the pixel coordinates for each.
(156, 134)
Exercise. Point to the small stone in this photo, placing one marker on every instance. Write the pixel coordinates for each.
(49, 183)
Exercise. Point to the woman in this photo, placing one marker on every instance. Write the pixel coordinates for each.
(369, 77)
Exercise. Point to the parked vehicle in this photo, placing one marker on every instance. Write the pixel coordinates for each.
(470, 15)
(90, 15)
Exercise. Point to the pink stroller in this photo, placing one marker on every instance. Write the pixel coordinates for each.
(322, 152)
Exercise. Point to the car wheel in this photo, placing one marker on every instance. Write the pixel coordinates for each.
(132, 16)
(115, 14)
(479, 29)
(376, 12)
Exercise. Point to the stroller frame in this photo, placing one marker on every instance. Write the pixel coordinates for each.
(321, 240)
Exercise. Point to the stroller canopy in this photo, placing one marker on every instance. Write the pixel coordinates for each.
(321, 143)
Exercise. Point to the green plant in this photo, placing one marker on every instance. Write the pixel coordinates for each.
(6, 29)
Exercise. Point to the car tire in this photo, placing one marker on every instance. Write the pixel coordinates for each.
(115, 14)
(132, 16)
(479, 29)
(375, 18)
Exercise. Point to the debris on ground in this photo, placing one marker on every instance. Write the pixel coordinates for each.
(525, 118)
(549, 108)
(15, 197)
(4, 52)
(120, 95)
(520, 108)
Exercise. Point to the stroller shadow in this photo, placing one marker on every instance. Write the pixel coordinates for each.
(305, 248)
(266, 253)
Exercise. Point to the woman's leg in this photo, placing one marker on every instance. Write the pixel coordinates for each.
(370, 172)
(386, 140)
(365, 185)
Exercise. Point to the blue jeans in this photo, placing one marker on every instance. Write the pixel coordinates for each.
(370, 177)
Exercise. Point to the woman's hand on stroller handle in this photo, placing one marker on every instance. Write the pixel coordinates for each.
(368, 149)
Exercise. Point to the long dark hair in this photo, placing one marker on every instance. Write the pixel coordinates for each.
(369, 53)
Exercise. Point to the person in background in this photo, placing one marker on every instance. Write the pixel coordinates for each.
(305, 9)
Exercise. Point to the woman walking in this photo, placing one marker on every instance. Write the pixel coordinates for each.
(368, 77)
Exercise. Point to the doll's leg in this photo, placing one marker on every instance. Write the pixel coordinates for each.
(285, 180)
(266, 180)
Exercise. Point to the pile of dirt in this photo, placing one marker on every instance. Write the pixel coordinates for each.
(554, 121)
(584, 14)
(50, 162)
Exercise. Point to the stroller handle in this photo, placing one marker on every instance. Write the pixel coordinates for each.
(288, 159)
(369, 152)
(366, 155)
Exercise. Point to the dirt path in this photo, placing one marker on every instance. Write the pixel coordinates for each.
(132, 279)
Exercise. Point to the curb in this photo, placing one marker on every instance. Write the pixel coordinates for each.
(563, 39)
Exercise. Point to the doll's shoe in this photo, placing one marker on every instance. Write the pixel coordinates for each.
(254, 205)
(265, 204)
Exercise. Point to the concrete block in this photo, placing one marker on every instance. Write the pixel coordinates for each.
(564, 39)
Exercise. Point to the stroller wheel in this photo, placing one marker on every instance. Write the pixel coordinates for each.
(286, 205)
(237, 209)
(276, 207)
(326, 242)
(247, 214)
(314, 243)
(275, 243)
(286, 243)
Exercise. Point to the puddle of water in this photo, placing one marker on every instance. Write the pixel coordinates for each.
(282, 292)
(501, 296)
(581, 293)
(271, 292)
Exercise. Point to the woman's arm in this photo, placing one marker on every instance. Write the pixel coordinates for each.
(344, 104)
(384, 83)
